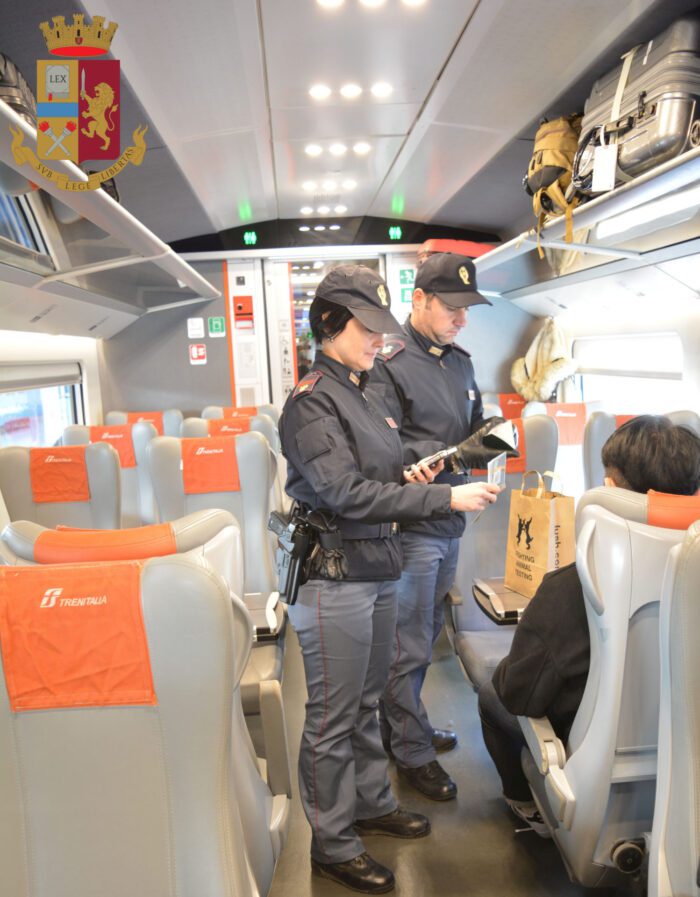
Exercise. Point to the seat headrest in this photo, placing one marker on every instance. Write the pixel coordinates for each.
(655, 508)
(34, 543)
(672, 511)
(54, 624)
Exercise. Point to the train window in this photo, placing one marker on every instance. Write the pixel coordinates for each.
(636, 374)
(38, 401)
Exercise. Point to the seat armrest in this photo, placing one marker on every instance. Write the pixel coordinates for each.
(542, 741)
(267, 614)
(454, 597)
(274, 733)
(550, 755)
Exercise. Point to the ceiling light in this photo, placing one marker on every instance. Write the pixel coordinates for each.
(349, 184)
(330, 4)
(412, 2)
(350, 91)
(309, 292)
(304, 227)
(306, 210)
(320, 227)
(309, 186)
(323, 210)
(337, 149)
(340, 210)
(320, 92)
(334, 227)
(372, 4)
(318, 265)
(361, 148)
(295, 267)
(381, 89)
(313, 149)
(306, 267)
(329, 186)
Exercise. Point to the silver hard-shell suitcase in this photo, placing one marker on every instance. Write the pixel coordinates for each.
(659, 108)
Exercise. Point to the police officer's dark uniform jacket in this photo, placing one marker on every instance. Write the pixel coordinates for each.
(432, 392)
(345, 455)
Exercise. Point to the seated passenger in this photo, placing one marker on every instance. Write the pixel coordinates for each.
(546, 670)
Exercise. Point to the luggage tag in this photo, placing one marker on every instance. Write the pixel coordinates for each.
(604, 168)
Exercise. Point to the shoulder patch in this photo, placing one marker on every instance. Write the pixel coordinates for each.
(307, 383)
(391, 349)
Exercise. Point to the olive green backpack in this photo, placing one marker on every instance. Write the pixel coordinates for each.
(549, 173)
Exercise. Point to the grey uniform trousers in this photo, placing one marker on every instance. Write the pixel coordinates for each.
(428, 574)
(346, 631)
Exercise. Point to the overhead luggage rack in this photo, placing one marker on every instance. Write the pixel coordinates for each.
(650, 219)
(118, 264)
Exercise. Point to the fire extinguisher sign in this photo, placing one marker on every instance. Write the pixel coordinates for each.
(198, 353)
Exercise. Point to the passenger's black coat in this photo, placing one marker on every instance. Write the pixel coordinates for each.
(546, 670)
(345, 456)
(432, 393)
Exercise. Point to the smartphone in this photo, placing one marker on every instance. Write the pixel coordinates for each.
(496, 470)
(432, 460)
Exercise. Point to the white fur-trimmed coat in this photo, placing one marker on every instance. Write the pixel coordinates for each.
(545, 365)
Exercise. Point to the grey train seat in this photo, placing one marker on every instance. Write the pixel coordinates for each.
(138, 503)
(601, 425)
(167, 422)
(82, 488)
(199, 427)
(596, 793)
(168, 799)
(674, 853)
(250, 505)
(479, 642)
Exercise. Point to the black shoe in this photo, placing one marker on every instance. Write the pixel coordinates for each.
(397, 824)
(430, 779)
(444, 740)
(359, 874)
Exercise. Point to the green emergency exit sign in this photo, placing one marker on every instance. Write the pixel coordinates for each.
(217, 326)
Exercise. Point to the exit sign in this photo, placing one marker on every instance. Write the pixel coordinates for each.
(250, 238)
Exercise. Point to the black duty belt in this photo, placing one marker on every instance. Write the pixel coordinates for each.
(351, 529)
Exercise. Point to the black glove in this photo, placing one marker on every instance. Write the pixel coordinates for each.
(473, 453)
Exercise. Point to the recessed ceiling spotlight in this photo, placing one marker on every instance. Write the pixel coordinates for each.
(306, 210)
(309, 292)
(361, 148)
(329, 186)
(330, 4)
(309, 186)
(381, 89)
(350, 91)
(320, 227)
(320, 92)
(349, 184)
(340, 210)
(313, 149)
(304, 227)
(337, 149)
(323, 210)
(295, 267)
(334, 227)
(372, 4)
(318, 265)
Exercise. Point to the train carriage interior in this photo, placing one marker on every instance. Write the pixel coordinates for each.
(154, 311)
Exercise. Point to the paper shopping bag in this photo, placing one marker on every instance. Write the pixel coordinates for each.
(540, 535)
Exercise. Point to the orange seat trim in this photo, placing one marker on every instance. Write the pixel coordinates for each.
(71, 546)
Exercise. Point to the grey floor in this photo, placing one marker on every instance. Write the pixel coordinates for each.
(473, 849)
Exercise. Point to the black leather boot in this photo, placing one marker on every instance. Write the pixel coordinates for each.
(430, 779)
(361, 873)
(397, 824)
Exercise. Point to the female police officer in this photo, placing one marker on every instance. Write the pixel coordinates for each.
(345, 456)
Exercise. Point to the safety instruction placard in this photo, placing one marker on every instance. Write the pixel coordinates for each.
(217, 326)
(195, 328)
(198, 353)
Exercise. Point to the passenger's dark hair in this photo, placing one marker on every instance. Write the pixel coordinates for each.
(649, 452)
(327, 319)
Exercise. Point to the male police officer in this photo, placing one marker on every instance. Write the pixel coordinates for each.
(430, 388)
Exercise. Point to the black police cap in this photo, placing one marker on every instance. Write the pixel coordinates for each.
(452, 278)
(363, 292)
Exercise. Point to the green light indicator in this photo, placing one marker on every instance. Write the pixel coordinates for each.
(250, 238)
(245, 212)
(395, 232)
(397, 204)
